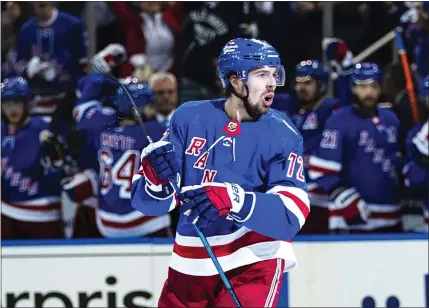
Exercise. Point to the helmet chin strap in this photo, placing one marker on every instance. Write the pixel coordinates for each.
(246, 104)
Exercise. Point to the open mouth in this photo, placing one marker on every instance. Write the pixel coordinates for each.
(268, 99)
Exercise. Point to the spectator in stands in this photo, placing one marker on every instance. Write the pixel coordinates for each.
(164, 86)
(51, 53)
(152, 28)
(207, 26)
(13, 17)
(15, 14)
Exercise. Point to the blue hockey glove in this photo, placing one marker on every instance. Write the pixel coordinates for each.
(159, 167)
(205, 203)
(347, 203)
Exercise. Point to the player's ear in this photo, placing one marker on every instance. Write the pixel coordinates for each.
(235, 82)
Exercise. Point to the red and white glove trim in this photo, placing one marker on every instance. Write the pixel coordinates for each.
(106, 59)
(148, 171)
(154, 187)
(232, 196)
(348, 204)
(81, 186)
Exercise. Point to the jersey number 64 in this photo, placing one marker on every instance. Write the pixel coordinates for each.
(118, 172)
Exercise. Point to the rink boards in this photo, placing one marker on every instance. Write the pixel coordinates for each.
(333, 271)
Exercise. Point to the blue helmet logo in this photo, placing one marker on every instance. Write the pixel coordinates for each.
(311, 69)
(239, 56)
(15, 88)
(365, 73)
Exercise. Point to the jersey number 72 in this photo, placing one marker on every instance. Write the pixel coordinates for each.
(293, 160)
(118, 173)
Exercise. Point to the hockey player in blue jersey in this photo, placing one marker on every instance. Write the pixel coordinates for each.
(239, 165)
(116, 138)
(31, 169)
(50, 52)
(357, 159)
(309, 109)
(416, 171)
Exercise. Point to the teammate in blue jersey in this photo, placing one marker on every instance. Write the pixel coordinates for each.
(416, 171)
(357, 159)
(309, 108)
(309, 113)
(239, 166)
(50, 52)
(31, 171)
(98, 87)
(116, 138)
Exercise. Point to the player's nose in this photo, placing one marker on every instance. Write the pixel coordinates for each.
(271, 82)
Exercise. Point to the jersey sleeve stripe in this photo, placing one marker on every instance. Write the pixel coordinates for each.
(317, 163)
(319, 167)
(295, 200)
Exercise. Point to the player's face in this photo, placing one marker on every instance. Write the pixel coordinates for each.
(306, 91)
(13, 110)
(166, 96)
(367, 94)
(42, 10)
(261, 84)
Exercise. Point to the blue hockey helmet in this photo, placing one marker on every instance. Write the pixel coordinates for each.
(15, 88)
(311, 69)
(241, 55)
(425, 89)
(365, 73)
(139, 91)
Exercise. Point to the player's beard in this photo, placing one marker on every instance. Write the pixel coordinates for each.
(367, 104)
(256, 110)
(305, 100)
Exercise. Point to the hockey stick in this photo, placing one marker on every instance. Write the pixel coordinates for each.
(173, 182)
(374, 47)
(405, 65)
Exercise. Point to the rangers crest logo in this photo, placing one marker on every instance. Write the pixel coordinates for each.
(232, 128)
